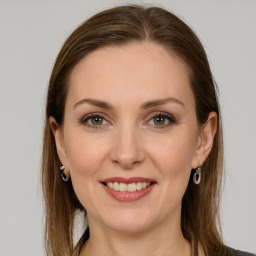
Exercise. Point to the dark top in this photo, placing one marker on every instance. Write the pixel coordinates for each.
(239, 253)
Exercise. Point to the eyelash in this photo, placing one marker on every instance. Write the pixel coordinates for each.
(171, 120)
(85, 119)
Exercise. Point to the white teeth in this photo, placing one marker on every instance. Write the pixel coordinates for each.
(110, 184)
(116, 186)
(123, 187)
(139, 186)
(131, 187)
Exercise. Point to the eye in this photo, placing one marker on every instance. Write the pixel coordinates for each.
(161, 120)
(94, 121)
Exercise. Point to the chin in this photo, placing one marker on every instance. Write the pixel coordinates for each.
(129, 222)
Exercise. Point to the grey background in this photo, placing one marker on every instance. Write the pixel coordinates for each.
(31, 34)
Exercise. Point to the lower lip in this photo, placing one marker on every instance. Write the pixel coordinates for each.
(128, 196)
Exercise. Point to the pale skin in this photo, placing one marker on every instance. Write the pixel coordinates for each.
(143, 125)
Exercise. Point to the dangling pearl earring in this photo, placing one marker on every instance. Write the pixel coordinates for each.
(197, 174)
(63, 174)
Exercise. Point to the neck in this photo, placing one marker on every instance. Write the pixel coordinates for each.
(164, 240)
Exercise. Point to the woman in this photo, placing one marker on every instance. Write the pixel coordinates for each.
(133, 139)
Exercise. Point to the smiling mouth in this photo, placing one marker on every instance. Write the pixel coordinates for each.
(127, 187)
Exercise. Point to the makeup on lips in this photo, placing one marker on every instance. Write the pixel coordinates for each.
(128, 190)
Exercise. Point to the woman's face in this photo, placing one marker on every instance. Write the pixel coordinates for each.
(130, 136)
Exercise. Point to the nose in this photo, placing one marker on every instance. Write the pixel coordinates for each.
(127, 150)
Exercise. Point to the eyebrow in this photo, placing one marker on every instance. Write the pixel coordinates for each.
(146, 105)
(160, 102)
(97, 103)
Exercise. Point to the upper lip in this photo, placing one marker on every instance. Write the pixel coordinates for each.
(128, 180)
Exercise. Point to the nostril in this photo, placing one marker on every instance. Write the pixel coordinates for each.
(127, 150)
(127, 163)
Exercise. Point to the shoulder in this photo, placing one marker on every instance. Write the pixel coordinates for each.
(240, 253)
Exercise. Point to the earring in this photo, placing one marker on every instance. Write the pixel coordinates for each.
(63, 174)
(197, 174)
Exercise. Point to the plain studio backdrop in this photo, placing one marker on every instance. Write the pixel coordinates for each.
(31, 34)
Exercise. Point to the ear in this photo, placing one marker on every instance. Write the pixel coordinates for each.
(205, 140)
(59, 142)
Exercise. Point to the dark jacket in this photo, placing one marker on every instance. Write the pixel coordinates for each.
(240, 253)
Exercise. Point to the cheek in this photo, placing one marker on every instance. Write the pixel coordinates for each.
(85, 154)
(173, 156)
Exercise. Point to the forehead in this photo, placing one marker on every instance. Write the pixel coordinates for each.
(136, 70)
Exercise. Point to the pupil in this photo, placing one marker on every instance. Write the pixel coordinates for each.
(97, 120)
(159, 120)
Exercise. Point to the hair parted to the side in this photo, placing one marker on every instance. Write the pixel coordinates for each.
(119, 26)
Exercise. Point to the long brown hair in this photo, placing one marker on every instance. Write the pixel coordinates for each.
(119, 26)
